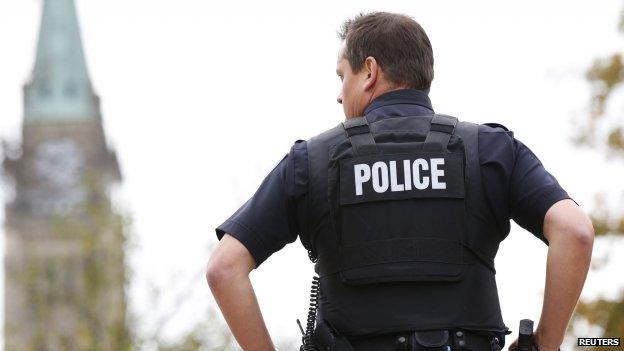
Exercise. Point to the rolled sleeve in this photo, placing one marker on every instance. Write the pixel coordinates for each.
(268, 220)
(248, 237)
(533, 191)
(517, 185)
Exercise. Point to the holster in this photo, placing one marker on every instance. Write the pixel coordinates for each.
(327, 338)
(430, 339)
(533, 347)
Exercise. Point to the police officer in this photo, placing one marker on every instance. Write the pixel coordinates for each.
(403, 211)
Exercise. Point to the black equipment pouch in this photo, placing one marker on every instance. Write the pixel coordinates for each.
(327, 338)
(434, 339)
(398, 204)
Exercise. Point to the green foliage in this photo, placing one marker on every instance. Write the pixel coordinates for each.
(608, 314)
(605, 76)
(211, 335)
(606, 221)
(77, 299)
(615, 140)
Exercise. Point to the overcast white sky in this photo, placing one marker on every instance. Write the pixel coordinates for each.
(201, 99)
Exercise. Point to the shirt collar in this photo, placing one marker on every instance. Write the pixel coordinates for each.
(400, 97)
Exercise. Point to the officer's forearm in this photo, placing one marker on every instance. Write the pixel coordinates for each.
(238, 303)
(569, 256)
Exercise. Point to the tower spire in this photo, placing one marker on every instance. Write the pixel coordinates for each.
(60, 88)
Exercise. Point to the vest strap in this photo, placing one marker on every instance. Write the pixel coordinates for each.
(359, 134)
(442, 127)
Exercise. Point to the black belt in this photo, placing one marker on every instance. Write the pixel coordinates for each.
(443, 340)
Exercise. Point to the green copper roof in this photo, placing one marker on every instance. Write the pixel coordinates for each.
(60, 88)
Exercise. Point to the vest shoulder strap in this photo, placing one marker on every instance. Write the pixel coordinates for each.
(442, 127)
(359, 134)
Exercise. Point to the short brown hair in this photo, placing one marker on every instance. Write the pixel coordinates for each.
(396, 41)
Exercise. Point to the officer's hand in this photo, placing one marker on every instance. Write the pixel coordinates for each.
(514, 346)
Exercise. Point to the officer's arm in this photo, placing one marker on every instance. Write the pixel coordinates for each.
(228, 277)
(570, 235)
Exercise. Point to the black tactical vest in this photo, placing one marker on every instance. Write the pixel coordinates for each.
(398, 222)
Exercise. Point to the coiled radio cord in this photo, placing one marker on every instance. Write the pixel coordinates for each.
(308, 345)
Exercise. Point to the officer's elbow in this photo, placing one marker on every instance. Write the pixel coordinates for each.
(229, 260)
(582, 233)
(222, 270)
(578, 237)
(210, 274)
(567, 226)
(584, 236)
(217, 272)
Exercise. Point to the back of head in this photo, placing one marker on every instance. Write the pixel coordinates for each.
(398, 43)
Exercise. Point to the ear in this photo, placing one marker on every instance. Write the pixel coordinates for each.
(371, 68)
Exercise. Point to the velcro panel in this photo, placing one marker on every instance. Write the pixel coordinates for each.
(444, 128)
(358, 130)
(417, 249)
(424, 174)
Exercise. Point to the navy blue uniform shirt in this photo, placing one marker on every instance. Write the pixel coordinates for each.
(516, 184)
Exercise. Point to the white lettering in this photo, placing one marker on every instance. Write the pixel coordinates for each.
(420, 183)
(380, 184)
(362, 175)
(394, 186)
(407, 172)
(436, 173)
(419, 174)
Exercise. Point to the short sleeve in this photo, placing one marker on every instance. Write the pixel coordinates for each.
(268, 220)
(516, 184)
(533, 191)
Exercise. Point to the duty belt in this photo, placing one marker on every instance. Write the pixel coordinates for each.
(439, 340)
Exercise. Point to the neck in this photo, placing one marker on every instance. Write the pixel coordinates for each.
(382, 88)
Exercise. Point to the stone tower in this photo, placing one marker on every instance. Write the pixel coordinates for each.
(64, 261)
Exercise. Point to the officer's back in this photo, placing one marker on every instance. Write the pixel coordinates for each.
(401, 209)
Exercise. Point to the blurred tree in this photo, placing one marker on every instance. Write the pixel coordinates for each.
(211, 333)
(82, 288)
(604, 130)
